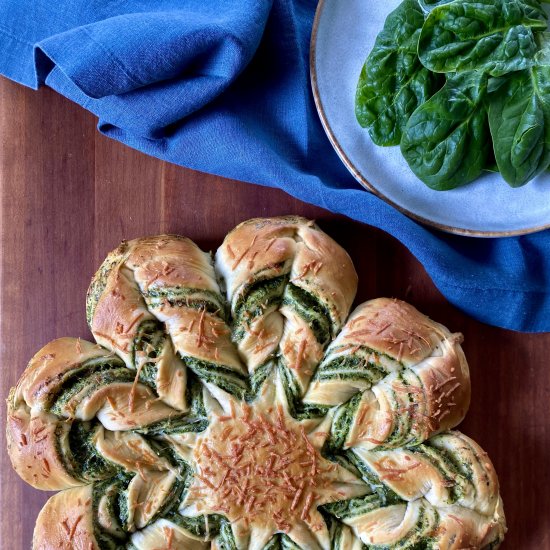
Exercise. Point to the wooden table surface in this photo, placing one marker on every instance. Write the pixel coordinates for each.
(69, 195)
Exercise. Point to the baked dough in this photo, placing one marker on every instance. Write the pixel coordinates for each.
(234, 403)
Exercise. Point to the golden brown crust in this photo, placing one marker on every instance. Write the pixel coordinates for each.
(159, 259)
(413, 475)
(33, 436)
(425, 373)
(32, 448)
(304, 266)
(465, 491)
(164, 261)
(50, 365)
(38, 440)
(65, 522)
(397, 329)
(319, 264)
(167, 281)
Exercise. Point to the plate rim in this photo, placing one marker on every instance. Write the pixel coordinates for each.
(356, 173)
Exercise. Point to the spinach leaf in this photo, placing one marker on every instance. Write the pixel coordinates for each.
(519, 119)
(446, 140)
(495, 36)
(429, 5)
(393, 82)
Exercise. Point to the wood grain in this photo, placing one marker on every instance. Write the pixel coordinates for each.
(69, 195)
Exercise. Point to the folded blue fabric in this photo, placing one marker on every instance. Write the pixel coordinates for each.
(222, 86)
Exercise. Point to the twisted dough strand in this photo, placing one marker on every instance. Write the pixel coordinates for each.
(402, 378)
(157, 303)
(444, 490)
(290, 287)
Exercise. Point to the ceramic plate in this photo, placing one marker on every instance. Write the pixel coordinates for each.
(343, 35)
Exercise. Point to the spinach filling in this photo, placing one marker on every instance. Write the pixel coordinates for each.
(168, 453)
(311, 310)
(306, 410)
(461, 466)
(116, 490)
(258, 377)
(99, 282)
(401, 422)
(450, 470)
(336, 532)
(225, 538)
(386, 495)
(194, 395)
(254, 299)
(122, 502)
(273, 544)
(174, 425)
(409, 425)
(229, 380)
(341, 425)
(86, 463)
(350, 367)
(87, 379)
(150, 340)
(354, 507)
(179, 296)
(280, 541)
(117, 507)
(291, 388)
(421, 535)
(287, 543)
(296, 407)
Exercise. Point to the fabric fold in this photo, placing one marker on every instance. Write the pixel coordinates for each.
(170, 63)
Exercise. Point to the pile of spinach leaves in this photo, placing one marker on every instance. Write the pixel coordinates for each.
(447, 79)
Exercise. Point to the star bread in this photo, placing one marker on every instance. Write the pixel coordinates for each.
(233, 402)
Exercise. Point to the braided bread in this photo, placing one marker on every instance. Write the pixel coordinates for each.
(233, 402)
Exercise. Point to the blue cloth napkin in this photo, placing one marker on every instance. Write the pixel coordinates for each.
(222, 86)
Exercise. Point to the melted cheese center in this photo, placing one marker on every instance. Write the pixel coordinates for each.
(261, 469)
